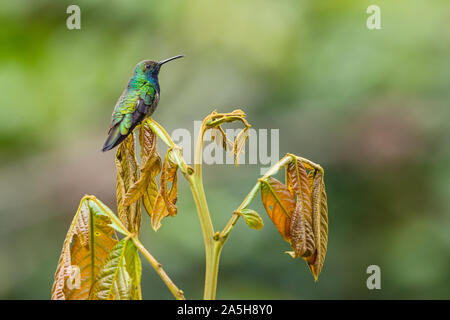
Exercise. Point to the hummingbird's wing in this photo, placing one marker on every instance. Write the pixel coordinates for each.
(130, 110)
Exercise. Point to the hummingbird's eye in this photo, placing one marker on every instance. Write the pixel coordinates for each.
(147, 66)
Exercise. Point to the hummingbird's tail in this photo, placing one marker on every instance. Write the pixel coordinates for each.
(114, 138)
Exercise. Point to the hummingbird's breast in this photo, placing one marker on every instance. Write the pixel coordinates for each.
(154, 104)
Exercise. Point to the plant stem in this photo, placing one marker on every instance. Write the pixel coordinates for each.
(213, 242)
(208, 233)
(177, 293)
(198, 192)
(194, 177)
(223, 236)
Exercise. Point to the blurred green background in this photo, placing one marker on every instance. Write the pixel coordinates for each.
(372, 107)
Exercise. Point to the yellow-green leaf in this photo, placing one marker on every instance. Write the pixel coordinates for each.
(113, 281)
(85, 249)
(99, 208)
(252, 218)
(119, 277)
(134, 268)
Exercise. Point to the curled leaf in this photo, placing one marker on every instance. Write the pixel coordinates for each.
(303, 224)
(252, 218)
(239, 144)
(167, 196)
(147, 140)
(146, 188)
(216, 119)
(320, 223)
(127, 176)
(151, 189)
(301, 231)
(219, 136)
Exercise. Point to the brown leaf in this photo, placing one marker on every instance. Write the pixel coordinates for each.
(301, 231)
(279, 204)
(146, 187)
(127, 176)
(320, 223)
(170, 196)
(311, 175)
(147, 140)
(146, 181)
(167, 197)
(308, 223)
(219, 136)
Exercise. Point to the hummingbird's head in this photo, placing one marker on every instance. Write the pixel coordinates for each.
(150, 68)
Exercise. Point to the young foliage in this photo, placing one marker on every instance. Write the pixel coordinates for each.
(214, 121)
(279, 205)
(239, 143)
(302, 236)
(120, 276)
(88, 246)
(146, 187)
(110, 268)
(127, 176)
(320, 222)
(167, 197)
(299, 210)
(252, 219)
(158, 203)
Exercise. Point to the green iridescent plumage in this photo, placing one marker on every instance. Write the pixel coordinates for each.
(139, 100)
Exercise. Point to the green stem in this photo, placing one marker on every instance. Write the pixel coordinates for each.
(223, 236)
(213, 242)
(198, 193)
(194, 177)
(177, 293)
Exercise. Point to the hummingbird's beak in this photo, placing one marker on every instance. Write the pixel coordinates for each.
(170, 59)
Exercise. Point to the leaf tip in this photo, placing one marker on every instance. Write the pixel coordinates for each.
(290, 253)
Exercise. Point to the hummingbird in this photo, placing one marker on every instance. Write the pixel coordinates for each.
(138, 101)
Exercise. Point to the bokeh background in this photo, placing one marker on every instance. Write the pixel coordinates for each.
(372, 107)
